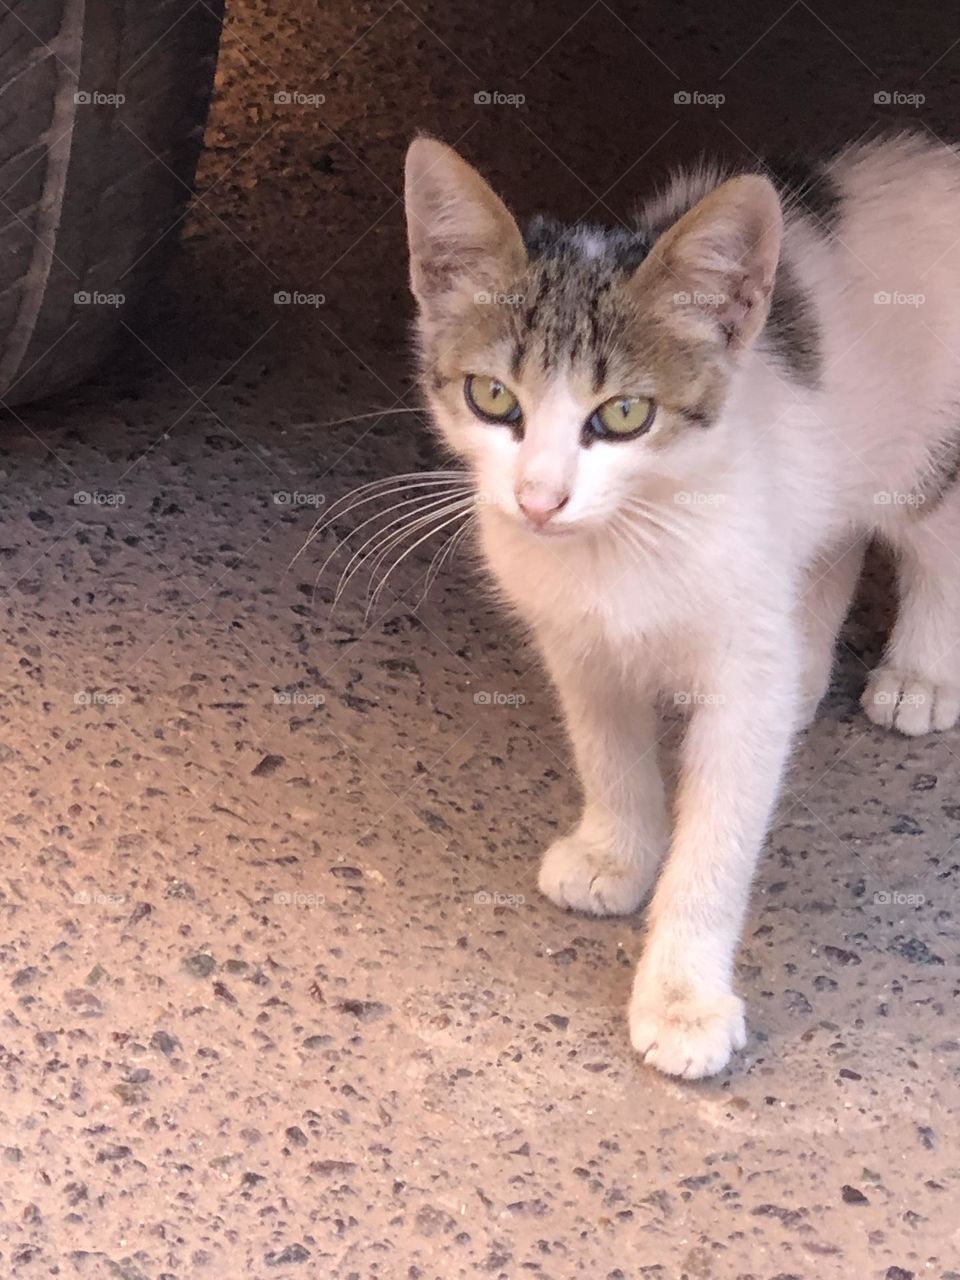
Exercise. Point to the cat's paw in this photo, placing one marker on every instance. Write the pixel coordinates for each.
(577, 875)
(910, 703)
(682, 1034)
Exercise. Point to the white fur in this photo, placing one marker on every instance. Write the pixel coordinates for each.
(731, 598)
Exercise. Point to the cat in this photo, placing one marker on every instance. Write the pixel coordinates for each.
(680, 436)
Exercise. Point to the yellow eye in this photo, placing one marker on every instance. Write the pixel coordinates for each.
(490, 399)
(622, 417)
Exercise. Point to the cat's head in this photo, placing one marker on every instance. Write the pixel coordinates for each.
(577, 369)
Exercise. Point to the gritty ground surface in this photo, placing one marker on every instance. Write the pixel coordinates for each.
(280, 997)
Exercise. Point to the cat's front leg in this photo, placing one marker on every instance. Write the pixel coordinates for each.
(685, 1017)
(608, 863)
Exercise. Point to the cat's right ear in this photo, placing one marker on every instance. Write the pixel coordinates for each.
(462, 238)
(720, 260)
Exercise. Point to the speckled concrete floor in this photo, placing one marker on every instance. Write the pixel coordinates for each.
(280, 998)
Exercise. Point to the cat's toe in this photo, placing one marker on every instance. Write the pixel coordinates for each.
(580, 877)
(685, 1035)
(910, 703)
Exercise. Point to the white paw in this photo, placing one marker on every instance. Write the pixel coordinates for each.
(910, 703)
(682, 1034)
(581, 877)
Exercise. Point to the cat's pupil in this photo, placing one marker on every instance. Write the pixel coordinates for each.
(496, 389)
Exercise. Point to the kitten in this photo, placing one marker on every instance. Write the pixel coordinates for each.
(684, 434)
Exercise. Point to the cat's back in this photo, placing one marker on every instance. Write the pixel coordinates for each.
(884, 276)
(897, 216)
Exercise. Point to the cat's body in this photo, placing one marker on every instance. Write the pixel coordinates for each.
(709, 557)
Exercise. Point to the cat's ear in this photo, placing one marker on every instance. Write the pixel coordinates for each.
(720, 260)
(462, 238)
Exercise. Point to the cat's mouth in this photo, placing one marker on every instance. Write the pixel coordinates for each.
(552, 530)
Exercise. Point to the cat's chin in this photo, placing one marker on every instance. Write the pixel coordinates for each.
(549, 532)
(552, 533)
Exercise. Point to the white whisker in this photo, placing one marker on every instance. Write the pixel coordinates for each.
(442, 556)
(376, 489)
(386, 544)
(654, 515)
(377, 557)
(633, 538)
(453, 546)
(380, 489)
(396, 564)
(420, 501)
(384, 534)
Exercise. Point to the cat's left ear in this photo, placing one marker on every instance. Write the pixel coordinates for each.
(720, 260)
(463, 239)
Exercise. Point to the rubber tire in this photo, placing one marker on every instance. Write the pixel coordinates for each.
(92, 192)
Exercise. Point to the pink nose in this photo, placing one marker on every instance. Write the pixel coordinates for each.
(540, 507)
